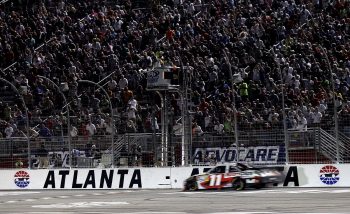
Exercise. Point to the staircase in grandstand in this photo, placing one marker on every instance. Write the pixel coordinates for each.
(120, 147)
(345, 141)
(317, 146)
(124, 149)
(328, 145)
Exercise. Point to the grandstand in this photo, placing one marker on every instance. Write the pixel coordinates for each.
(267, 79)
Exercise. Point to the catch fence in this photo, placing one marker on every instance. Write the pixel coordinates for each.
(259, 147)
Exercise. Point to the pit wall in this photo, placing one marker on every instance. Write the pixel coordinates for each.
(317, 175)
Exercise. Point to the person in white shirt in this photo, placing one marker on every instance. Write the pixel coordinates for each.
(322, 107)
(316, 117)
(197, 130)
(73, 131)
(219, 128)
(9, 131)
(132, 103)
(302, 123)
(112, 84)
(302, 127)
(91, 128)
(123, 82)
(132, 114)
(155, 126)
(109, 125)
(177, 128)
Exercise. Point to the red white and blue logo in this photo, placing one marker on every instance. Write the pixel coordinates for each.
(329, 175)
(22, 179)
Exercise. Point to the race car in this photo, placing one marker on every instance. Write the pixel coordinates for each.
(236, 176)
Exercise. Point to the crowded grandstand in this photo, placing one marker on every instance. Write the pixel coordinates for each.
(249, 72)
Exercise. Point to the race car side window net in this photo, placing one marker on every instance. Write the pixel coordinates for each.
(218, 169)
(233, 169)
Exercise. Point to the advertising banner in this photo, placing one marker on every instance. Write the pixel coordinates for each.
(254, 155)
(136, 178)
(318, 175)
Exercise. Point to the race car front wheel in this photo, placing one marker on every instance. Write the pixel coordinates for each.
(238, 184)
(193, 186)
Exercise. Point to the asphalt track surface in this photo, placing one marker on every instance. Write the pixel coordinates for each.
(270, 201)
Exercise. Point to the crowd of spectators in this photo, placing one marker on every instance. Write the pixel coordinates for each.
(271, 47)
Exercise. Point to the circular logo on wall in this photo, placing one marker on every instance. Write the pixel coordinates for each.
(329, 175)
(22, 179)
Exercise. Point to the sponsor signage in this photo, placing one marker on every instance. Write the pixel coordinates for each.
(254, 155)
(22, 179)
(135, 178)
(83, 179)
(317, 175)
(152, 77)
(329, 175)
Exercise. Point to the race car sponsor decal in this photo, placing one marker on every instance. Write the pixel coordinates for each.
(22, 179)
(329, 175)
(216, 181)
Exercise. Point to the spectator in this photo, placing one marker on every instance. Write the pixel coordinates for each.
(7, 112)
(123, 82)
(45, 132)
(95, 152)
(219, 128)
(132, 103)
(91, 129)
(126, 95)
(302, 122)
(9, 131)
(43, 157)
(197, 130)
(73, 131)
(112, 85)
(316, 117)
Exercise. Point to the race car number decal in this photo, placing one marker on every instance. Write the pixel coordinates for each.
(215, 179)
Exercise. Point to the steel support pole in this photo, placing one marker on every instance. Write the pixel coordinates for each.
(162, 118)
(68, 116)
(27, 118)
(233, 105)
(286, 137)
(110, 108)
(335, 107)
(165, 124)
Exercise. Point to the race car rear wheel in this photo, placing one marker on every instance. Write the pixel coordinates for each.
(238, 184)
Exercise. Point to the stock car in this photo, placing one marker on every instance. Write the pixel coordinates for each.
(236, 176)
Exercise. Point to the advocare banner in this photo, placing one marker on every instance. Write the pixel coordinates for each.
(255, 154)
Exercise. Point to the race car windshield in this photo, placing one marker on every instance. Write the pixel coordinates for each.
(218, 169)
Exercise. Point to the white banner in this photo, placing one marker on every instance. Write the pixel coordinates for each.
(318, 175)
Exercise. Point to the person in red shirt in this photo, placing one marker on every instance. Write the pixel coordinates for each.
(170, 34)
(203, 105)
